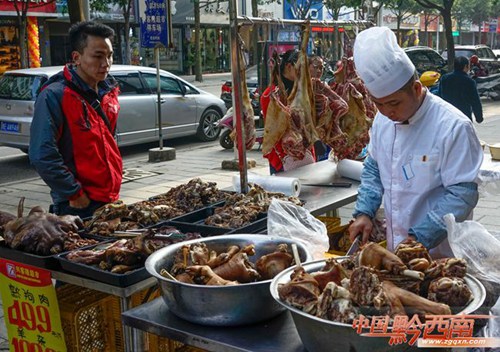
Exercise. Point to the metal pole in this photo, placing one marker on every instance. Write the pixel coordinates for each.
(237, 101)
(158, 92)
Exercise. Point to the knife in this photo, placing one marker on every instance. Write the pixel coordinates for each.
(354, 246)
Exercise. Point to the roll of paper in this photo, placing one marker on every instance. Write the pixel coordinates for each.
(290, 186)
(350, 169)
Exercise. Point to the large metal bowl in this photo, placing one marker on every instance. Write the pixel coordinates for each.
(320, 334)
(221, 305)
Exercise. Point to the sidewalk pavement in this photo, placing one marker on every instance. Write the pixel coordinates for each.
(204, 160)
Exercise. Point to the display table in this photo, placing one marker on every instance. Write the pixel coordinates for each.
(322, 198)
(132, 338)
(274, 335)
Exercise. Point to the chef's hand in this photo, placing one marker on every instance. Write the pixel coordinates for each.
(81, 202)
(362, 225)
(409, 239)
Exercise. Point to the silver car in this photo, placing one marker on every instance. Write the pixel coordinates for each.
(185, 109)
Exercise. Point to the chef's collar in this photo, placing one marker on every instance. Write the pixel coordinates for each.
(421, 111)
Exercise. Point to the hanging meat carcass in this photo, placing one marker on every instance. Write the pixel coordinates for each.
(247, 114)
(292, 122)
(330, 108)
(357, 121)
(302, 132)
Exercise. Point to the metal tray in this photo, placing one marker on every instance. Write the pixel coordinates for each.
(198, 218)
(42, 261)
(93, 272)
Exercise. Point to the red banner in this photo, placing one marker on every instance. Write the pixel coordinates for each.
(35, 6)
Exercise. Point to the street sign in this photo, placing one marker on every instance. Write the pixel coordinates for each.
(154, 28)
(455, 33)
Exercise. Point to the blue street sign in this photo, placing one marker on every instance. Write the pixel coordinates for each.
(154, 28)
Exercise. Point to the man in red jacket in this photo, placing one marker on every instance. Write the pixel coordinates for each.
(72, 143)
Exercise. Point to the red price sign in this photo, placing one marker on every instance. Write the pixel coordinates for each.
(27, 316)
(30, 308)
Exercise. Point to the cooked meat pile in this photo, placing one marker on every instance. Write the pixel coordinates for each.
(242, 209)
(42, 233)
(377, 282)
(128, 254)
(197, 264)
(177, 201)
(4, 219)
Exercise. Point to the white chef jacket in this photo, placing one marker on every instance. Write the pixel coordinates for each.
(437, 148)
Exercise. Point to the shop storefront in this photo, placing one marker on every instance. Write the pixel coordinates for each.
(214, 39)
(10, 44)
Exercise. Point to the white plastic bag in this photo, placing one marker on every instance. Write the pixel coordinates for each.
(471, 241)
(285, 219)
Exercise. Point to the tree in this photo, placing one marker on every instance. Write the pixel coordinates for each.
(430, 15)
(475, 11)
(444, 7)
(125, 7)
(22, 23)
(402, 9)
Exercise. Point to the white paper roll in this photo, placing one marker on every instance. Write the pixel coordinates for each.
(350, 169)
(288, 185)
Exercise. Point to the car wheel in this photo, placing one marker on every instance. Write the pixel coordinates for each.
(225, 140)
(208, 129)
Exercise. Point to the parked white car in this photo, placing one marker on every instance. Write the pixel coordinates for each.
(185, 109)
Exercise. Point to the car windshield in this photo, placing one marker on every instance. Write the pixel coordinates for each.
(464, 52)
(20, 87)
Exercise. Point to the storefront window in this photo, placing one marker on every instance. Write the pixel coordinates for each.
(9, 46)
(214, 50)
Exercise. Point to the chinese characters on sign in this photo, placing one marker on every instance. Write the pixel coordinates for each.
(30, 308)
(154, 28)
(435, 331)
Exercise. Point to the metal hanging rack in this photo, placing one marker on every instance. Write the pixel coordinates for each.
(235, 21)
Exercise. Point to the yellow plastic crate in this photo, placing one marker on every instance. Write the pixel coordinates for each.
(84, 314)
(330, 222)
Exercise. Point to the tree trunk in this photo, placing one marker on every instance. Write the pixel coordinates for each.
(398, 30)
(75, 10)
(450, 46)
(197, 48)
(23, 42)
(126, 36)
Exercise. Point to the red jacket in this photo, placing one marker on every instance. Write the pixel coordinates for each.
(71, 146)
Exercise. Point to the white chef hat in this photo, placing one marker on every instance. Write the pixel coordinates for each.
(380, 62)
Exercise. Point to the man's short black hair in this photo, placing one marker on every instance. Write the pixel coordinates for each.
(460, 63)
(79, 32)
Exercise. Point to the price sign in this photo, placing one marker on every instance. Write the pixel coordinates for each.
(31, 311)
(154, 27)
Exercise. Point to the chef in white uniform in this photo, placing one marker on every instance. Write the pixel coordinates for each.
(424, 154)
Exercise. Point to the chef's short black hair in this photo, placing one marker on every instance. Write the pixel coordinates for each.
(289, 57)
(79, 32)
(460, 63)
